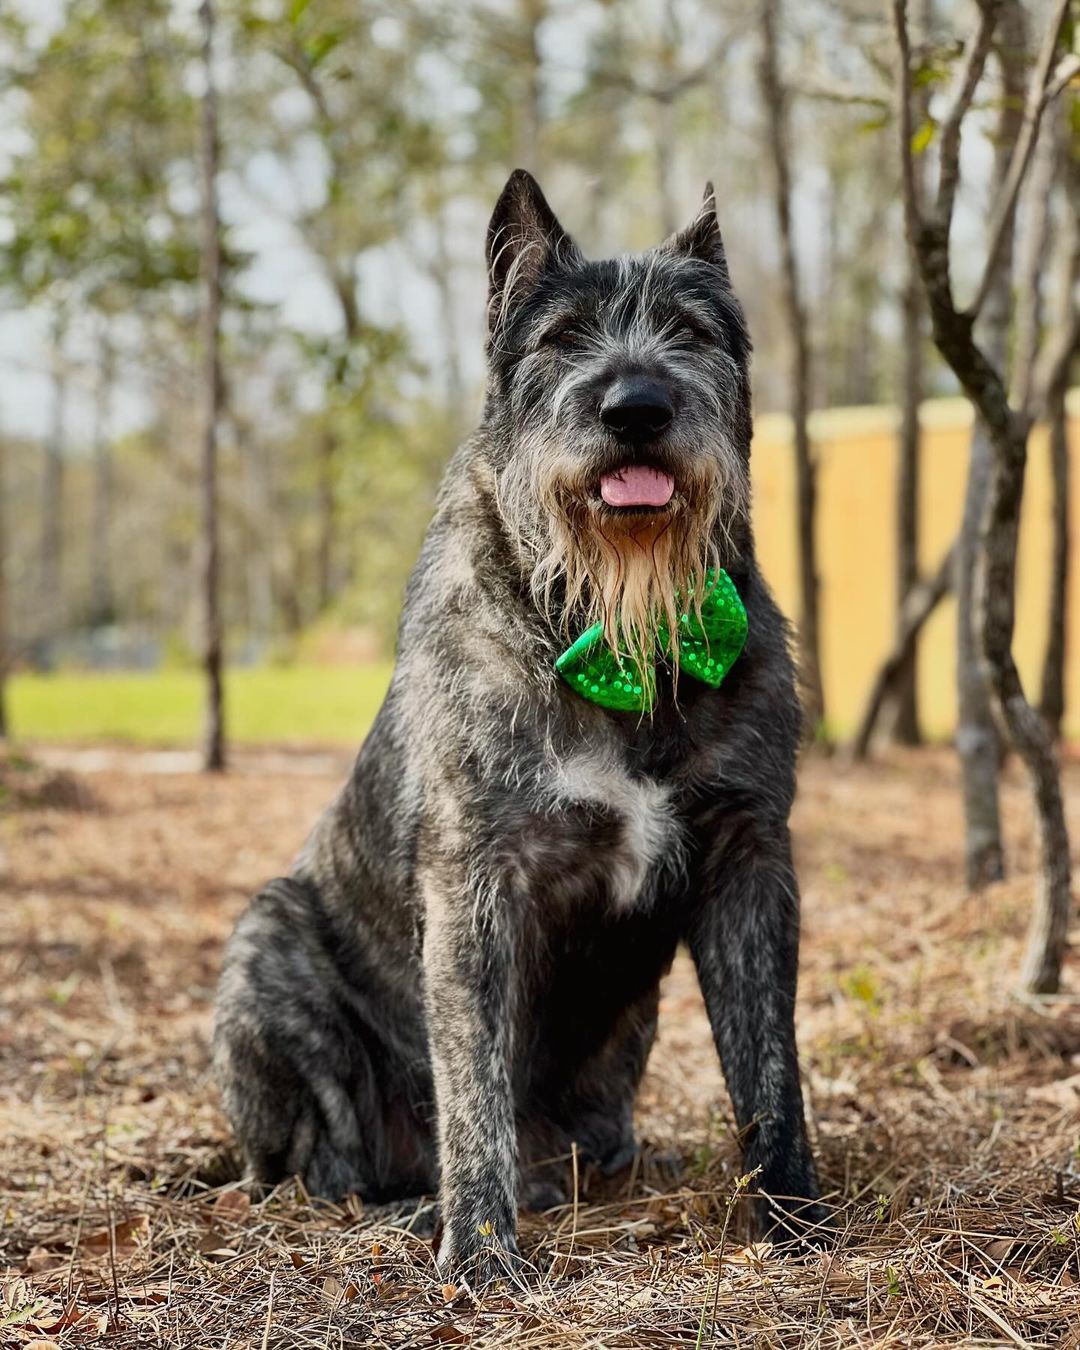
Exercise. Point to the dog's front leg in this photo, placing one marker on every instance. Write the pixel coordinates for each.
(745, 944)
(469, 971)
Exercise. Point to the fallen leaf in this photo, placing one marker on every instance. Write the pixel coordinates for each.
(70, 1317)
(448, 1335)
(125, 1237)
(214, 1244)
(232, 1206)
(41, 1260)
(449, 1292)
(376, 1250)
(332, 1290)
(41, 1345)
(754, 1255)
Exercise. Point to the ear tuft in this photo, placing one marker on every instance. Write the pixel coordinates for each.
(702, 238)
(524, 239)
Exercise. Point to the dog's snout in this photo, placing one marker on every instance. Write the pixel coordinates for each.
(636, 408)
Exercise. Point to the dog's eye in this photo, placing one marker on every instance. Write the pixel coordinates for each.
(567, 338)
(686, 331)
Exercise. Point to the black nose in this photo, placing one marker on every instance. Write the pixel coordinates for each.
(636, 408)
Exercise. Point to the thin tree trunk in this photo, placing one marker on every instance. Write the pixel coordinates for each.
(5, 655)
(774, 99)
(531, 14)
(1052, 690)
(978, 741)
(665, 140)
(51, 601)
(327, 517)
(905, 730)
(213, 400)
(1064, 276)
(101, 535)
(442, 276)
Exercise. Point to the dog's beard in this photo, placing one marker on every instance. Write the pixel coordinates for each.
(634, 574)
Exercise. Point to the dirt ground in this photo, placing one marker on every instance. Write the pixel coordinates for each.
(946, 1112)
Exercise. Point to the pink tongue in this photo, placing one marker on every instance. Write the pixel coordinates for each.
(637, 485)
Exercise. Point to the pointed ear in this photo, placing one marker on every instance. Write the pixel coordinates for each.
(701, 238)
(523, 240)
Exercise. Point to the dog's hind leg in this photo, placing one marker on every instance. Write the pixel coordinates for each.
(315, 1083)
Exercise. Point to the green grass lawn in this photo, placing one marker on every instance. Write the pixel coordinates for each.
(271, 704)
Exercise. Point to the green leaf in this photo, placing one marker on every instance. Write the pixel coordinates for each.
(922, 138)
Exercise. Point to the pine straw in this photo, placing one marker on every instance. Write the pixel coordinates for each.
(946, 1112)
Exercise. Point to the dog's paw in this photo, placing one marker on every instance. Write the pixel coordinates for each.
(478, 1258)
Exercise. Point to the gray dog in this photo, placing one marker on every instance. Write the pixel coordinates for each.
(586, 756)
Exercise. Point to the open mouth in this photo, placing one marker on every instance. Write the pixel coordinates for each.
(637, 487)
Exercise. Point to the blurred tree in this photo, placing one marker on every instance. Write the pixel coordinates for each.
(355, 68)
(977, 740)
(90, 224)
(1064, 274)
(774, 99)
(905, 728)
(213, 395)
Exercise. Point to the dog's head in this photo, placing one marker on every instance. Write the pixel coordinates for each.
(619, 402)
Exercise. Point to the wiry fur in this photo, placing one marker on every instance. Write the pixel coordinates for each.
(458, 981)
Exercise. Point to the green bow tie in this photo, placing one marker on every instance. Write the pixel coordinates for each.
(707, 650)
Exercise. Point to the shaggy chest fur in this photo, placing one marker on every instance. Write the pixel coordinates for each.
(603, 836)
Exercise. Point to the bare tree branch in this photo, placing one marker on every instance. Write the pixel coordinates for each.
(1039, 93)
(921, 602)
(974, 63)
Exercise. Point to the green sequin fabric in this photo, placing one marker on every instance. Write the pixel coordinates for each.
(708, 648)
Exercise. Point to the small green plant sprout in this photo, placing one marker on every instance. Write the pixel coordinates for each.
(61, 993)
(1059, 1238)
(883, 1203)
(861, 985)
(486, 1229)
(892, 1282)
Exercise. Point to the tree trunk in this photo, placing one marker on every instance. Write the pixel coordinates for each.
(905, 730)
(51, 601)
(665, 139)
(1052, 691)
(327, 518)
(5, 655)
(1063, 284)
(775, 102)
(531, 15)
(213, 400)
(977, 738)
(101, 601)
(1007, 431)
(977, 741)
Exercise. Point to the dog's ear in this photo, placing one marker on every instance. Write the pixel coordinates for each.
(523, 239)
(701, 238)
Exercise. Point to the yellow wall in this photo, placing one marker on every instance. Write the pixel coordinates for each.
(856, 448)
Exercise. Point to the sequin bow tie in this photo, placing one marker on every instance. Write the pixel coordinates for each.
(708, 648)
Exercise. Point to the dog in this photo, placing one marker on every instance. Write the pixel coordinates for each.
(459, 978)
